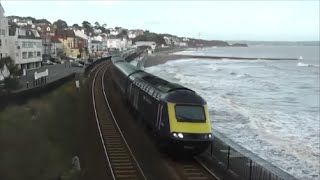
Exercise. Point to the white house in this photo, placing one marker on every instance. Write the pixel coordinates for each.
(25, 47)
(114, 32)
(56, 48)
(96, 46)
(118, 42)
(182, 44)
(134, 33)
(4, 34)
(185, 39)
(146, 43)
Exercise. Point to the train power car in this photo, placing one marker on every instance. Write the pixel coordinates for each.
(175, 113)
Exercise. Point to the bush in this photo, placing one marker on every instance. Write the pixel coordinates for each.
(39, 139)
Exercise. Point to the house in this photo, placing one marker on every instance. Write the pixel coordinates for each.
(83, 43)
(134, 33)
(96, 46)
(120, 43)
(45, 28)
(56, 48)
(168, 40)
(46, 31)
(182, 44)
(4, 35)
(146, 43)
(23, 22)
(25, 47)
(69, 41)
(185, 39)
(116, 31)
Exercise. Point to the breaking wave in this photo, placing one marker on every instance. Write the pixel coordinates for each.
(307, 65)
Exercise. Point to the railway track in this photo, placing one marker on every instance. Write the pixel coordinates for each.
(193, 169)
(121, 161)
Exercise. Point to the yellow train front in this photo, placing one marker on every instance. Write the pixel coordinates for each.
(177, 115)
(185, 121)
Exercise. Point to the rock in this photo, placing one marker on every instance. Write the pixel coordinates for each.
(239, 45)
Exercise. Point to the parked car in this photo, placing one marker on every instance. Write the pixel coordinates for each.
(56, 60)
(90, 60)
(76, 64)
(81, 62)
(47, 62)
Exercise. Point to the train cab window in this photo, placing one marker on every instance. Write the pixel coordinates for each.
(190, 113)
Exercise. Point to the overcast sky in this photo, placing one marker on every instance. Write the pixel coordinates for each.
(224, 20)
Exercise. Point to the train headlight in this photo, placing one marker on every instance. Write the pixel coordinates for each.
(180, 135)
(210, 135)
(175, 134)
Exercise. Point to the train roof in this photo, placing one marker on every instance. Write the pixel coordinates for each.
(125, 67)
(158, 83)
(163, 85)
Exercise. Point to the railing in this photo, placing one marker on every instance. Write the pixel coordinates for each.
(242, 162)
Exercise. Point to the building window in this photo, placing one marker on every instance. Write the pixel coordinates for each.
(30, 55)
(24, 55)
(38, 53)
(0, 42)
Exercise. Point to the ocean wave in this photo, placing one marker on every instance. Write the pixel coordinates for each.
(245, 75)
(214, 67)
(307, 65)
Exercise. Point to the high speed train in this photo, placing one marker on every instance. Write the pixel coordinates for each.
(178, 115)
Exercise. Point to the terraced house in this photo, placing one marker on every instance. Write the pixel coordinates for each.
(25, 47)
(4, 33)
(69, 41)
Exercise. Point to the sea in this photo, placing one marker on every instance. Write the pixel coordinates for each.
(270, 107)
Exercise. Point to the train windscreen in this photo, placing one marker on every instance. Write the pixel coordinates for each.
(190, 113)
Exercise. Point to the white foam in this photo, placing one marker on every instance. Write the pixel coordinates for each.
(302, 64)
(288, 140)
(307, 65)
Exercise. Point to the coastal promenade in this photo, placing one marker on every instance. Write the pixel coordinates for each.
(56, 72)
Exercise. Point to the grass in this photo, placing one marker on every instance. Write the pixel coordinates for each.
(38, 139)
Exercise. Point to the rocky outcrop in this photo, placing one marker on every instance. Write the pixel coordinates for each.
(239, 45)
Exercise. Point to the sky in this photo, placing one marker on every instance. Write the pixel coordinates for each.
(287, 20)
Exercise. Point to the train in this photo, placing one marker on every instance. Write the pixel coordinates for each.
(177, 115)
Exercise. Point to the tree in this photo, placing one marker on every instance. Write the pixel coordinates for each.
(11, 82)
(150, 37)
(96, 25)
(123, 33)
(76, 26)
(104, 25)
(60, 24)
(87, 27)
